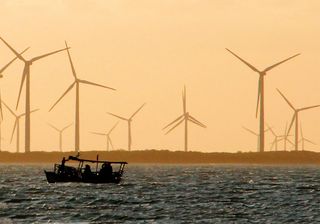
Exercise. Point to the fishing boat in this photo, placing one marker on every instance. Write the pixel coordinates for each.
(103, 171)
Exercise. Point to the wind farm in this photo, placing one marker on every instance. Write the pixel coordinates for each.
(295, 119)
(223, 107)
(159, 111)
(261, 95)
(77, 83)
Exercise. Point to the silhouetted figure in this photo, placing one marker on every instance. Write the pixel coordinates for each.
(87, 172)
(106, 170)
(62, 166)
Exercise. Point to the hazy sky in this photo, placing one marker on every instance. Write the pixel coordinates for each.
(148, 50)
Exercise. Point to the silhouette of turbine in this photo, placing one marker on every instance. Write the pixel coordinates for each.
(303, 139)
(1, 75)
(260, 99)
(129, 120)
(185, 117)
(16, 126)
(285, 138)
(107, 135)
(256, 134)
(76, 83)
(276, 139)
(60, 131)
(26, 77)
(295, 118)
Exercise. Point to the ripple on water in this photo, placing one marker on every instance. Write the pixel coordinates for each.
(204, 194)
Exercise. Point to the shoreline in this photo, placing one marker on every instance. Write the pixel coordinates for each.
(170, 157)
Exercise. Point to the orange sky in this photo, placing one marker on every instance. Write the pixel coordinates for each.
(148, 50)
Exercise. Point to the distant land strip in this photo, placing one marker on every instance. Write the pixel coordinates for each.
(169, 157)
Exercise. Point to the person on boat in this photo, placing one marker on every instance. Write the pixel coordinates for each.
(62, 166)
(106, 170)
(87, 172)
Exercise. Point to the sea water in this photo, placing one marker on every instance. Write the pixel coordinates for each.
(165, 194)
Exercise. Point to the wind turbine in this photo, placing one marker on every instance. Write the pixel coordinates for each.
(60, 133)
(256, 134)
(107, 135)
(76, 83)
(295, 118)
(129, 120)
(260, 99)
(185, 117)
(1, 75)
(285, 138)
(16, 126)
(276, 139)
(303, 139)
(26, 78)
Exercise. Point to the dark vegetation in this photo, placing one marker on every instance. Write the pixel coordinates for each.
(165, 156)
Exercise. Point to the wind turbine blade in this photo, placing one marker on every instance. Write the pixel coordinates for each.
(269, 128)
(71, 63)
(11, 111)
(137, 111)
(288, 140)
(35, 110)
(70, 87)
(23, 114)
(252, 132)
(196, 123)
(259, 94)
(173, 121)
(279, 63)
(14, 128)
(98, 133)
(24, 75)
(251, 66)
(286, 99)
(294, 116)
(301, 132)
(174, 126)
(122, 118)
(52, 126)
(306, 108)
(184, 101)
(13, 50)
(285, 131)
(114, 126)
(199, 123)
(272, 144)
(307, 140)
(94, 84)
(67, 127)
(10, 62)
(46, 55)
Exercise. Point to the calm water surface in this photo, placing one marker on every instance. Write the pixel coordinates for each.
(165, 194)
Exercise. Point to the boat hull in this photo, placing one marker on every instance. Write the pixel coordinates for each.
(53, 177)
